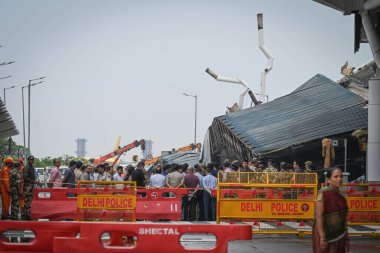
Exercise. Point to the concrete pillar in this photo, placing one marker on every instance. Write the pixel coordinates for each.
(373, 147)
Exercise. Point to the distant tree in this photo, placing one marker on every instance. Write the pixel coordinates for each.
(43, 162)
(65, 160)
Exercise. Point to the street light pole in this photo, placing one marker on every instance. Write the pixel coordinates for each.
(29, 85)
(5, 101)
(29, 115)
(195, 127)
(196, 104)
(23, 119)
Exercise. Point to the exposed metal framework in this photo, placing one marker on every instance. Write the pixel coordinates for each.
(7, 125)
(222, 138)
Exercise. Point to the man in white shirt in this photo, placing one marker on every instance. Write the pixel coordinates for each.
(103, 175)
(157, 179)
(118, 175)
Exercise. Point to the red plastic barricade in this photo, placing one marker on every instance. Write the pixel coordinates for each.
(159, 204)
(363, 200)
(44, 233)
(152, 204)
(54, 204)
(62, 237)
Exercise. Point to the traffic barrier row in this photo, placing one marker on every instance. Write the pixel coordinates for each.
(62, 237)
(151, 204)
(288, 196)
(235, 201)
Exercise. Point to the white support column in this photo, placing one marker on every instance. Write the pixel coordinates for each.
(373, 147)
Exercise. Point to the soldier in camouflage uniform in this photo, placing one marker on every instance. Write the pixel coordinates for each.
(29, 181)
(15, 184)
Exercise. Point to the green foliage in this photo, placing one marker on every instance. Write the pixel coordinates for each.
(65, 160)
(43, 162)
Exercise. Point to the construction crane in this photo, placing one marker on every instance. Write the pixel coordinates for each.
(120, 151)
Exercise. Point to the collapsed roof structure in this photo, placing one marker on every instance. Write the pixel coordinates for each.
(317, 109)
(7, 125)
(180, 157)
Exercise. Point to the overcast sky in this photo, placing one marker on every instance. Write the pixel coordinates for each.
(120, 67)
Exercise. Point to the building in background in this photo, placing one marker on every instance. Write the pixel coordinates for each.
(81, 147)
(147, 152)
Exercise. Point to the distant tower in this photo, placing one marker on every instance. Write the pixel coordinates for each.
(81, 147)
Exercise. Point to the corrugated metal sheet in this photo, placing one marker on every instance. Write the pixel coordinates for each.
(7, 125)
(188, 157)
(316, 109)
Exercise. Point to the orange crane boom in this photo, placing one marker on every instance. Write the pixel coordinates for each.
(185, 148)
(120, 151)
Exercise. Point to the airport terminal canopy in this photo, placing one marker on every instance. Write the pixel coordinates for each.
(319, 108)
(7, 125)
(180, 157)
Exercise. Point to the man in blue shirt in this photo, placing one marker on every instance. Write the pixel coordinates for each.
(69, 176)
(201, 214)
(209, 183)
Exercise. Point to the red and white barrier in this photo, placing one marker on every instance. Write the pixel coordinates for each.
(64, 237)
(152, 204)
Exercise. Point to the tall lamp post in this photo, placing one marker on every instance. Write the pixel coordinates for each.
(5, 101)
(196, 103)
(30, 84)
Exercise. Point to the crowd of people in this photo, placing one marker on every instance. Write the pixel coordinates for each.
(17, 181)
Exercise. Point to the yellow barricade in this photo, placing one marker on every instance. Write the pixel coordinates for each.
(267, 209)
(106, 200)
(284, 203)
(266, 195)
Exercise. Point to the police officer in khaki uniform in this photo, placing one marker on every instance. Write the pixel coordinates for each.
(29, 181)
(15, 184)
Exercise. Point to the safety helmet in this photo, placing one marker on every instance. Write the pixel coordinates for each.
(8, 160)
